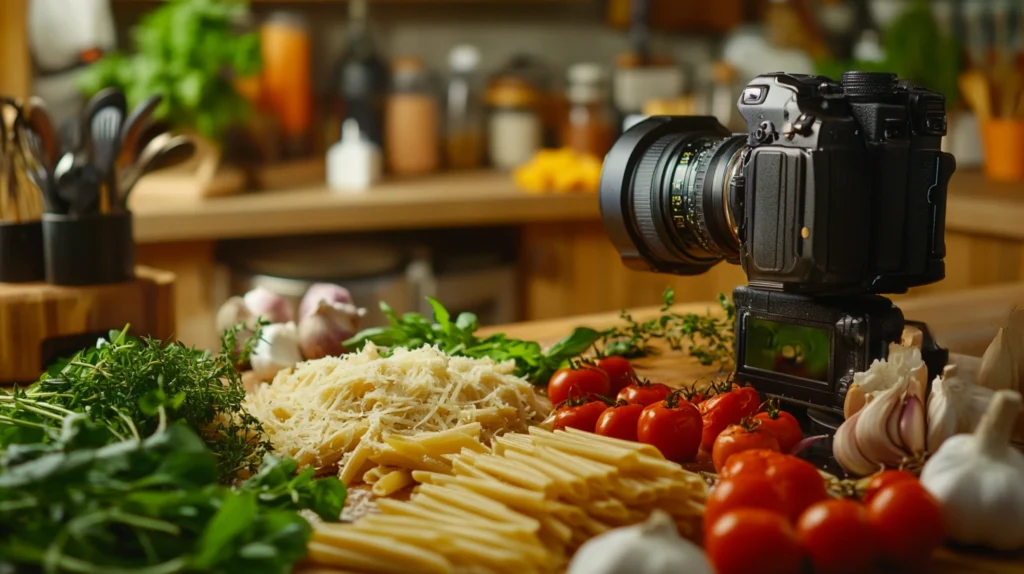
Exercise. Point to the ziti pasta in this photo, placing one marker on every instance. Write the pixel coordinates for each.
(523, 507)
(405, 411)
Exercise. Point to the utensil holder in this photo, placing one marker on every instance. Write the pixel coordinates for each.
(21, 252)
(88, 249)
(1003, 140)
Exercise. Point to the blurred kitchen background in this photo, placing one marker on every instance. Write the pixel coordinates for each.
(452, 148)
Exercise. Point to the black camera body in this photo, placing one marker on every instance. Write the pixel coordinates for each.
(845, 184)
(835, 195)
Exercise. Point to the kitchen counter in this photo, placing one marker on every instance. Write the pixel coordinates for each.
(975, 206)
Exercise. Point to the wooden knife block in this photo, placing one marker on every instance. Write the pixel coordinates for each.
(40, 322)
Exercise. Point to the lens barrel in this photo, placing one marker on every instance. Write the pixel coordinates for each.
(668, 196)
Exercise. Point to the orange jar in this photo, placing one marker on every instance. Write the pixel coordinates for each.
(1003, 140)
(286, 75)
(412, 123)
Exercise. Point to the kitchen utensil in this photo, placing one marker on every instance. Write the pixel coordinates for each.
(976, 90)
(39, 121)
(104, 115)
(161, 152)
(132, 129)
(8, 186)
(38, 145)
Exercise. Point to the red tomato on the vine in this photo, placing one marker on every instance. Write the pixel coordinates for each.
(748, 435)
(620, 421)
(673, 426)
(884, 479)
(579, 414)
(908, 521)
(782, 425)
(749, 462)
(620, 372)
(644, 393)
(741, 492)
(726, 409)
(572, 383)
(797, 482)
(753, 540)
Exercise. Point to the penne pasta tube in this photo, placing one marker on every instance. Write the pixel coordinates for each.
(351, 560)
(404, 557)
(477, 504)
(354, 466)
(642, 448)
(392, 482)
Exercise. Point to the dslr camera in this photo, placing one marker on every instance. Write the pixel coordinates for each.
(835, 196)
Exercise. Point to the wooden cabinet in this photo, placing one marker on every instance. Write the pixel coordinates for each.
(682, 15)
(15, 62)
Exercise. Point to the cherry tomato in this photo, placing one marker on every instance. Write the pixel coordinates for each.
(568, 384)
(783, 426)
(644, 393)
(578, 414)
(884, 479)
(827, 530)
(620, 372)
(908, 522)
(620, 421)
(753, 540)
(741, 492)
(797, 482)
(672, 426)
(726, 409)
(741, 437)
(749, 462)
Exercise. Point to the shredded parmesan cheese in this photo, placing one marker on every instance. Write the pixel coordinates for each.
(319, 411)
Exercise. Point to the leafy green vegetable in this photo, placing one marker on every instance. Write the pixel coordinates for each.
(184, 48)
(78, 503)
(413, 331)
(707, 338)
(122, 383)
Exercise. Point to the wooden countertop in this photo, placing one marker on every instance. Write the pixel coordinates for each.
(947, 314)
(975, 206)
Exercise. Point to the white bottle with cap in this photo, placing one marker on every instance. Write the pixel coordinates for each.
(354, 163)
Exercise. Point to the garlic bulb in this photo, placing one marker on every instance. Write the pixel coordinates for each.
(902, 363)
(268, 305)
(322, 331)
(889, 430)
(942, 422)
(652, 547)
(978, 479)
(322, 292)
(997, 370)
(278, 348)
(234, 312)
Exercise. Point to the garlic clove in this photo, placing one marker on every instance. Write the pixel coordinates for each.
(322, 332)
(876, 429)
(277, 349)
(268, 305)
(846, 451)
(918, 382)
(996, 370)
(322, 292)
(912, 337)
(912, 425)
(234, 312)
(651, 547)
(1015, 341)
(941, 419)
(854, 401)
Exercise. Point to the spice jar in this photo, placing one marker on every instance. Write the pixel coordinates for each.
(515, 129)
(411, 120)
(285, 78)
(590, 124)
(464, 138)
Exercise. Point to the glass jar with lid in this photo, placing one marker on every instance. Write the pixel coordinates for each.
(412, 119)
(515, 129)
(590, 125)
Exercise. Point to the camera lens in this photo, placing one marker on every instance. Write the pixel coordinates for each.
(669, 198)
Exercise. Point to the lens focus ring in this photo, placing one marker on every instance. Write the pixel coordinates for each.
(646, 193)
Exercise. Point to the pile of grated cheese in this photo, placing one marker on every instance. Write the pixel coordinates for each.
(319, 411)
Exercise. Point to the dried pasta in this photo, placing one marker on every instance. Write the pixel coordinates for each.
(524, 506)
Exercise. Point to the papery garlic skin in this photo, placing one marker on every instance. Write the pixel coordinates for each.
(879, 421)
(278, 348)
(322, 292)
(941, 418)
(234, 312)
(997, 370)
(902, 363)
(652, 547)
(322, 331)
(979, 479)
(968, 401)
(846, 451)
(267, 305)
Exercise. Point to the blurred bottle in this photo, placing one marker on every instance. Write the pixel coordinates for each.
(515, 130)
(464, 134)
(412, 120)
(285, 78)
(361, 79)
(589, 127)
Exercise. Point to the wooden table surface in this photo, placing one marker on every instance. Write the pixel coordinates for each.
(977, 311)
(481, 198)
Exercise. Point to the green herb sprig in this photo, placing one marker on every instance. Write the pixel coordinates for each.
(457, 337)
(121, 384)
(708, 338)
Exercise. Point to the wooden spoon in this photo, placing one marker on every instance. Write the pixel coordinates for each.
(975, 88)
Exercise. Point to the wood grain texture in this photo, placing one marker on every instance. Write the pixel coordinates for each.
(15, 60)
(33, 316)
(195, 289)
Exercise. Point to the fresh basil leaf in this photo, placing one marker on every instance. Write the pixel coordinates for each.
(467, 322)
(576, 343)
(441, 314)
